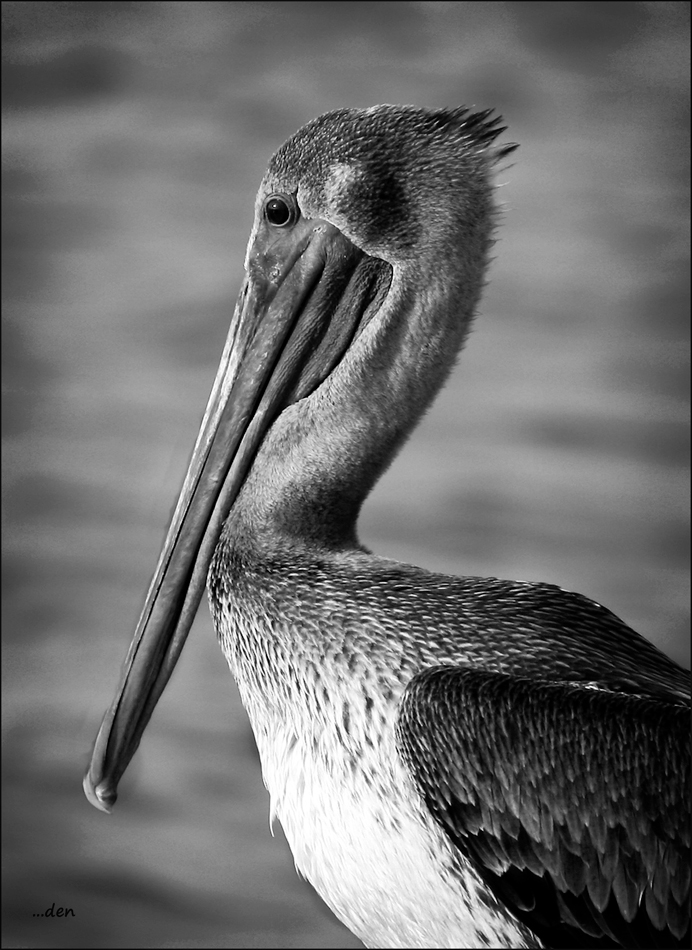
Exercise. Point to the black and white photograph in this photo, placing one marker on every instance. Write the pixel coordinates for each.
(346, 474)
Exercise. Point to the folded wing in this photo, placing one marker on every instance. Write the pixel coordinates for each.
(572, 803)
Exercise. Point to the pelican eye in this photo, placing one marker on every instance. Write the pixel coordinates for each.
(279, 212)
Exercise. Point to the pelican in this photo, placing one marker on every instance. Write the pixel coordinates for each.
(455, 761)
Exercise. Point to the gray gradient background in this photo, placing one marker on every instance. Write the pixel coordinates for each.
(135, 135)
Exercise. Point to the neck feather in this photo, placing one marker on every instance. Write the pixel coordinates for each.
(324, 453)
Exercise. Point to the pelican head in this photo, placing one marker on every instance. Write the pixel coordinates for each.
(363, 270)
(397, 181)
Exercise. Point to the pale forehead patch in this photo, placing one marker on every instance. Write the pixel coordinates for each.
(341, 177)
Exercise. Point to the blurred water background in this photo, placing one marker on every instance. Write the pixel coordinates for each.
(134, 138)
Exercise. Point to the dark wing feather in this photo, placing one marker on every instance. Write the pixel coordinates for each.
(572, 803)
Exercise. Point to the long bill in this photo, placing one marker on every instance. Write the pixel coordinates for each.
(292, 324)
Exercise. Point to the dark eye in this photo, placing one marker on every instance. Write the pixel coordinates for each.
(278, 211)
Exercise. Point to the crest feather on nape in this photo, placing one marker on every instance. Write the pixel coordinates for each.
(481, 128)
